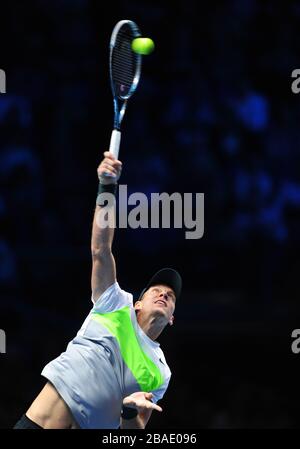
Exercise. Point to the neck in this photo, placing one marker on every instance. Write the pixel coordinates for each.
(152, 326)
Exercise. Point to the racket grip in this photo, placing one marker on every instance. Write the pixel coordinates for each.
(115, 142)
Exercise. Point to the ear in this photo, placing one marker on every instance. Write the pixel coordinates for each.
(138, 305)
(171, 320)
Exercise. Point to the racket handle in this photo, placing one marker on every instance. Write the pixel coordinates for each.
(115, 142)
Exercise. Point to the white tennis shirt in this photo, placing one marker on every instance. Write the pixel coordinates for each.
(110, 358)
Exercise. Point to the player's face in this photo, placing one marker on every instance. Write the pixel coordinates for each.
(159, 299)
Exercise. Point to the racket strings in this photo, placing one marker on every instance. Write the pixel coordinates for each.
(124, 63)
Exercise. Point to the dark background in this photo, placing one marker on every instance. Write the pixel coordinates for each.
(214, 113)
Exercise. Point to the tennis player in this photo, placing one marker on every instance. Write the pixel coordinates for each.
(113, 372)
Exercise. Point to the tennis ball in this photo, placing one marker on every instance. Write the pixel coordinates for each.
(142, 45)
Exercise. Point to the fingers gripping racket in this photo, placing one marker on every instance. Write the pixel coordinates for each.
(125, 70)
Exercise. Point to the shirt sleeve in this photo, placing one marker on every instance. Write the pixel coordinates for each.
(159, 392)
(113, 298)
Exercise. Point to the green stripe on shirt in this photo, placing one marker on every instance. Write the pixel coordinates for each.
(119, 324)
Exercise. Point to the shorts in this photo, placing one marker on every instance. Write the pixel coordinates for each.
(26, 423)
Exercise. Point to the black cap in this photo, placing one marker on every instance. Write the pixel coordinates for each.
(166, 276)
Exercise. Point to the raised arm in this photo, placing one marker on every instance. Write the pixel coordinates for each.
(103, 262)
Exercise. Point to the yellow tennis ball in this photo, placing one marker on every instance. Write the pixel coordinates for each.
(142, 45)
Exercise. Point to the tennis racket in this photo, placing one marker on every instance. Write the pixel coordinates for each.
(125, 70)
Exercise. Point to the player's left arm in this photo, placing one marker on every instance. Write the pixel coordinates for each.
(141, 401)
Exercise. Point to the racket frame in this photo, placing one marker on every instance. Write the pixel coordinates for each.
(120, 108)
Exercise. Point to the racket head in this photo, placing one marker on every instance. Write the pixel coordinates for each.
(124, 63)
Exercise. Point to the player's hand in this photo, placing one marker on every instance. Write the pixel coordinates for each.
(141, 401)
(109, 171)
